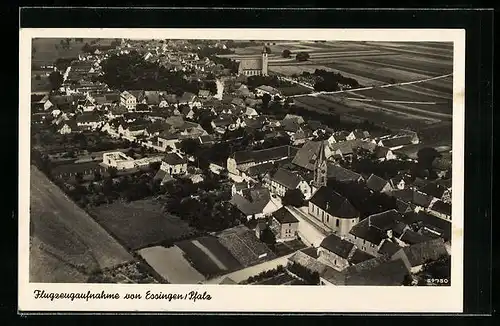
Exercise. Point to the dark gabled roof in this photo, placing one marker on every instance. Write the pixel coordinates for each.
(283, 216)
(411, 237)
(359, 256)
(333, 276)
(71, 124)
(138, 94)
(387, 273)
(152, 97)
(74, 167)
(342, 174)
(402, 206)
(333, 203)
(388, 248)
(259, 169)
(397, 141)
(273, 153)
(376, 183)
(381, 151)
(173, 159)
(137, 127)
(287, 178)
(385, 220)
(442, 207)
(423, 252)
(306, 156)
(253, 200)
(187, 97)
(88, 117)
(365, 231)
(421, 199)
(430, 221)
(336, 245)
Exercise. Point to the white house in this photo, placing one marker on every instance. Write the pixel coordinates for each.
(174, 164)
(128, 100)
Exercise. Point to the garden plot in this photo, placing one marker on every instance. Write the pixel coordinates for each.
(141, 223)
(171, 265)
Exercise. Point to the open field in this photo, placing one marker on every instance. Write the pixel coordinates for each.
(140, 223)
(67, 243)
(208, 256)
(171, 265)
(46, 52)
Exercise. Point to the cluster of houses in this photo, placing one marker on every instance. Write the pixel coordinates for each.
(353, 250)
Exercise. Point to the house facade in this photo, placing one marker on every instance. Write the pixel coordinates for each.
(128, 100)
(174, 164)
(284, 225)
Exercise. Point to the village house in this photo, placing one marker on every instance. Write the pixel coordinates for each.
(67, 171)
(339, 253)
(415, 197)
(89, 121)
(284, 225)
(341, 174)
(415, 256)
(128, 100)
(203, 93)
(358, 134)
(307, 155)
(283, 180)
(369, 234)
(264, 89)
(396, 142)
(377, 184)
(333, 210)
(174, 164)
(384, 154)
(68, 127)
(255, 203)
(238, 187)
(242, 160)
(338, 137)
(441, 209)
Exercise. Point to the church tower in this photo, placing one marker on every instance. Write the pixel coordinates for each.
(264, 61)
(320, 168)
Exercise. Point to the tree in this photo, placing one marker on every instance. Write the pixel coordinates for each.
(426, 157)
(112, 171)
(286, 53)
(189, 146)
(268, 50)
(268, 237)
(55, 79)
(293, 197)
(302, 56)
(266, 98)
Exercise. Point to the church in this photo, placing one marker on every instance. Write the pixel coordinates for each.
(254, 66)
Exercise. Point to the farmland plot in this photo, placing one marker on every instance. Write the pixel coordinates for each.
(171, 265)
(67, 234)
(141, 223)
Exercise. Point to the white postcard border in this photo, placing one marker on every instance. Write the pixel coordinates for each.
(235, 298)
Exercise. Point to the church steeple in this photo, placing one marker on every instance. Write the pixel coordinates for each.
(320, 167)
(264, 61)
